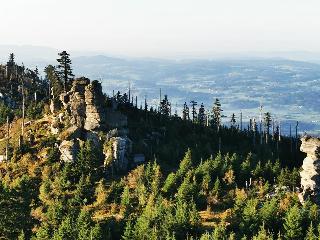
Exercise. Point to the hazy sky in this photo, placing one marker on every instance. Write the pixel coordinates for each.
(163, 27)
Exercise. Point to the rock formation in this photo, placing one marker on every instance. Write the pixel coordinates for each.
(84, 116)
(69, 150)
(95, 114)
(310, 175)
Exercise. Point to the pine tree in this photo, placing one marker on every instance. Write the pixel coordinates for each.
(293, 223)
(202, 115)
(84, 223)
(194, 110)
(43, 233)
(66, 230)
(185, 112)
(165, 106)
(64, 70)
(267, 124)
(186, 163)
(11, 60)
(56, 86)
(216, 187)
(96, 232)
(128, 232)
(310, 233)
(125, 199)
(233, 120)
(263, 234)
(217, 114)
(22, 236)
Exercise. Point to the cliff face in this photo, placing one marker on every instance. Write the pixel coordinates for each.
(310, 175)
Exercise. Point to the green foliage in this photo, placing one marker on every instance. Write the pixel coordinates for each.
(250, 217)
(263, 234)
(293, 223)
(35, 110)
(64, 70)
(310, 233)
(4, 113)
(66, 230)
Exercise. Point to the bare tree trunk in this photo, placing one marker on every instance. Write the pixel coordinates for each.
(7, 144)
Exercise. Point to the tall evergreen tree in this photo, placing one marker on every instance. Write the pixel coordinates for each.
(194, 110)
(185, 112)
(233, 120)
(201, 115)
(165, 106)
(217, 114)
(55, 85)
(293, 223)
(64, 70)
(267, 124)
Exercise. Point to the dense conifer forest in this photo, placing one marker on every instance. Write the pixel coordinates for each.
(199, 179)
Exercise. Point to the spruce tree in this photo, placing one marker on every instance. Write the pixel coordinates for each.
(185, 112)
(56, 86)
(202, 115)
(233, 120)
(194, 111)
(84, 223)
(217, 114)
(293, 223)
(310, 233)
(267, 124)
(64, 70)
(165, 106)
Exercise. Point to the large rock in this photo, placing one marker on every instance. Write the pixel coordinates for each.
(117, 151)
(69, 150)
(84, 104)
(310, 175)
(85, 116)
(95, 114)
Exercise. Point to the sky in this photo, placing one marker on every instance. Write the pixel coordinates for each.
(156, 28)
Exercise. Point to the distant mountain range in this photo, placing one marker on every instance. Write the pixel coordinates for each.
(289, 89)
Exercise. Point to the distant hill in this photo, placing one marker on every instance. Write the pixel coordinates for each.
(287, 88)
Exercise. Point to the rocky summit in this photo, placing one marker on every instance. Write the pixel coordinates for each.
(82, 114)
(310, 175)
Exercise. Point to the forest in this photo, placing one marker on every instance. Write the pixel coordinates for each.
(200, 178)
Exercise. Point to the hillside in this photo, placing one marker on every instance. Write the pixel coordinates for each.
(92, 166)
(79, 164)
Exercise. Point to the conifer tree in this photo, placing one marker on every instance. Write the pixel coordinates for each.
(128, 232)
(233, 120)
(201, 115)
(310, 233)
(165, 106)
(84, 223)
(66, 230)
(64, 70)
(194, 110)
(11, 60)
(96, 232)
(267, 124)
(217, 114)
(293, 223)
(185, 112)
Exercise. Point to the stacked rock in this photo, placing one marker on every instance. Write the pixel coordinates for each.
(95, 114)
(310, 175)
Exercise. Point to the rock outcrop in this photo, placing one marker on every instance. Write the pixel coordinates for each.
(116, 150)
(95, 114)
(310, 175)
(84, 117)
(69, 150)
